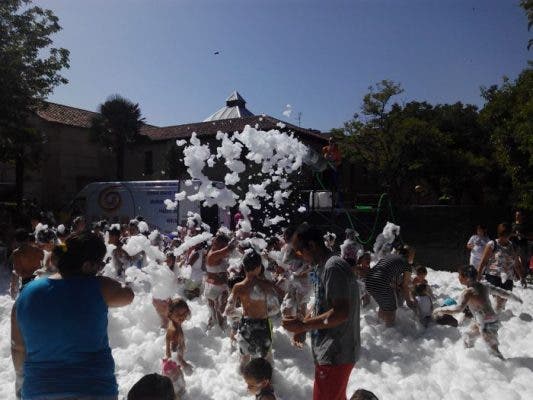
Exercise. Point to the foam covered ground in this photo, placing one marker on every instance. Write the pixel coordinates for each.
(403, 362)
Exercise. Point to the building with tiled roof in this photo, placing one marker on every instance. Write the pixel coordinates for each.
(69, 160)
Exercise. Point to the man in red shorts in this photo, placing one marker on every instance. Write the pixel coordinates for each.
(334, 323)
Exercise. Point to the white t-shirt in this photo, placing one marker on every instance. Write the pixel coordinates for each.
(425, 306)
(476, 253)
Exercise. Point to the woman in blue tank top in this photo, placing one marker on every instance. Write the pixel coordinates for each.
(59, 327)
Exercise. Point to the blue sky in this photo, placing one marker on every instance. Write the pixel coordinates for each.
(318, 56)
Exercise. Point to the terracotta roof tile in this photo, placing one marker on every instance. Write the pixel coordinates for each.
(264, 122)
(72, 116)
(66, 115)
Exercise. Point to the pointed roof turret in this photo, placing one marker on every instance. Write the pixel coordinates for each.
(235, 108)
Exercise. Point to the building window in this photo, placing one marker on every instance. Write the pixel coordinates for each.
(148, 163)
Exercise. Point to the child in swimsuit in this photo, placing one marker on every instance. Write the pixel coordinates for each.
(476, 297)
(258, 377)
(259, 301)
(216, 282)
(178, 312)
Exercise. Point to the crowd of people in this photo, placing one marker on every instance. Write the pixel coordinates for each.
(300, 277)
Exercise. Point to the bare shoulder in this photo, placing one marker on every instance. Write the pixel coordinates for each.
(238, 288)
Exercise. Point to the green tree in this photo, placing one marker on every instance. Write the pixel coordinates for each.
(116, 127)
(441, 148)
(508, 114)
(29, 71)
(528, 7)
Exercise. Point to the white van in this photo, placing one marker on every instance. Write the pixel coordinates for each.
(121, 201)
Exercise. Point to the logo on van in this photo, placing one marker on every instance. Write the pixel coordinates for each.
(109, 199)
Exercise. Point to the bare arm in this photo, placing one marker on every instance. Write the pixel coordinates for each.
(231, 306)
(456, 309)
(215, 256)
(18, 349)
(503, 293)
(168, 352)
(114, 294)
(517, 267)
(331, 318)
(193, 258)
(487, 253)
(405, 288)
(14, 285)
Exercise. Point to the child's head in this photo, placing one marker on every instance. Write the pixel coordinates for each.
(251, 262)
(421, 289)
(170, 259)
(421, 272)
(467, 275)
(504, 230)
(152, 387)
(362, 394)
(273, 244)
(350, 234)
(257, 374)
(287, 233)
(178, 311)
(481, 230)
(220, 241)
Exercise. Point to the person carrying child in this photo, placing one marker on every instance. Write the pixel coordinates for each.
(476, 297)
(259, 301)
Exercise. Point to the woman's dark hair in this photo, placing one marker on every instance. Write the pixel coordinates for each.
(152, 387)
(481, 226)
(504, 229)
(307, 234)
(78, 249)
(258, 369)
(251, 260)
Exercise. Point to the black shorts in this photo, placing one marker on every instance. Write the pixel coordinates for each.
(497, 281)
(254, 337)
(382, 292)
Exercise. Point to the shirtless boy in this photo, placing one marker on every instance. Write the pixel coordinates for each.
(27, 259)
(259, 300)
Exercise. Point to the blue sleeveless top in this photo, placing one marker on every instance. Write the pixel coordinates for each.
(64, 326)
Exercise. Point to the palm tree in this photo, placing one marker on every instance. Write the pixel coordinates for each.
(116, 127)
